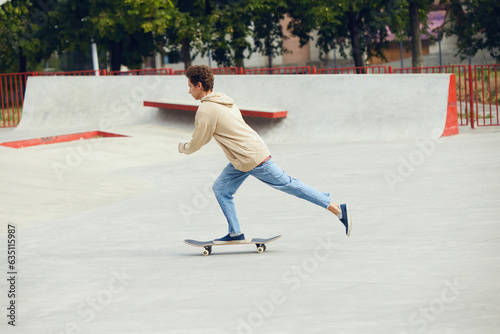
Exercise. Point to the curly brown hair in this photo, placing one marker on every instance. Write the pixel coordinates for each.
(203, 74)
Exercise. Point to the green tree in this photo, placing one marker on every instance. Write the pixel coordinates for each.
(325, 17)
(267, 31)
(234, 22)
(74, 28)
(202, 27)
(215, 27)
(24, 38)
(418, 11)
(231, 24)
(129, 27)
(186, 32)
(476, 24)
(129, 30)
(360, 24)
(10, 20)
(220, 31)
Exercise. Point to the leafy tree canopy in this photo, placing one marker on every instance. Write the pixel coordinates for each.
(476, 23)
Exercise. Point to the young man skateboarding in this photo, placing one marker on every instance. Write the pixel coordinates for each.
(220, 118)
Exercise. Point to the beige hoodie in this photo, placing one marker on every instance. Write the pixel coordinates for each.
(219, 117)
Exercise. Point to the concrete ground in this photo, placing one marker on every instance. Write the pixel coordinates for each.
(100, 224)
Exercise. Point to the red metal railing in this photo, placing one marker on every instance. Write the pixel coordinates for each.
(12, 88)
(227, 70)
(69, 73)
(153, 71)
(355, 70)
(486, 94)
(283, 70)
(219, 70)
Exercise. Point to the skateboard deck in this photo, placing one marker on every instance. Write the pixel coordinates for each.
(259, 242)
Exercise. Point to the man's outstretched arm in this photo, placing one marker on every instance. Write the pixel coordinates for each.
(203, 132)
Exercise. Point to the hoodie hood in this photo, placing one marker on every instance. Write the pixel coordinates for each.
(219, 98)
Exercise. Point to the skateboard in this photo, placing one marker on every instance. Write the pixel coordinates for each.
(259, 242)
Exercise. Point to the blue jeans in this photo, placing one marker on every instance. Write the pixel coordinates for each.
(231, 179)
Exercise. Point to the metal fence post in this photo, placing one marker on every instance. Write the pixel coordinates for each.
(471, 98)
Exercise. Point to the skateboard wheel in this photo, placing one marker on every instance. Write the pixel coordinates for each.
(261, 249)
(207, 251)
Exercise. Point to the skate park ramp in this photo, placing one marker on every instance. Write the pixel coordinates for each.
(332, 108)
(99, 224)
